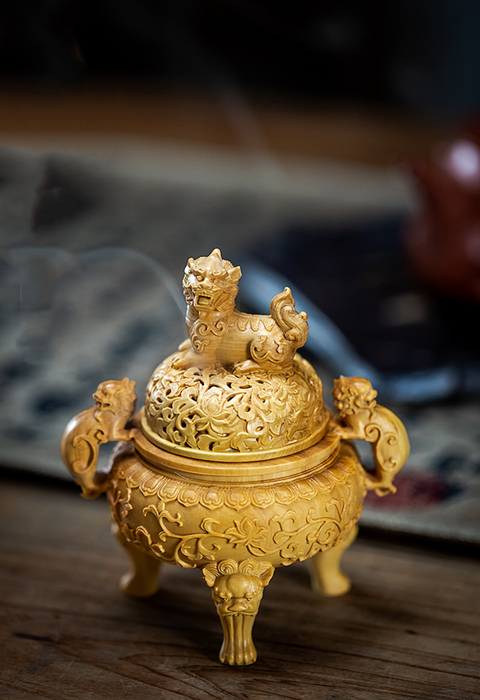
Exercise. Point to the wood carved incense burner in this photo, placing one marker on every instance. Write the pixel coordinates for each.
(234, 465)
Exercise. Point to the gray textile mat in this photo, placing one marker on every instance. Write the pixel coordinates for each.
(90, 290)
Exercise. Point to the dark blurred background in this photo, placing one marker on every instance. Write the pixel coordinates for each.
(422, 55)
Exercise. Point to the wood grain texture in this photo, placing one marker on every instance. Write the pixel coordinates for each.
(408, 629)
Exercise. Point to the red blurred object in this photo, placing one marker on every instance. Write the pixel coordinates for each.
(443, 241)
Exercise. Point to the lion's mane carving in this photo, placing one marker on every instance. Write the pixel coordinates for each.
(220, 335)
(353, 394)
(115, 403)
(364, 419)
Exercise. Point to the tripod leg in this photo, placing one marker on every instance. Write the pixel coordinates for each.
(326, 576)
(142, 579)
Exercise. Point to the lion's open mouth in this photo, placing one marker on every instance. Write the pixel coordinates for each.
(202, 300)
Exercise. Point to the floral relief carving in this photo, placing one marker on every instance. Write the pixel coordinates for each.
(295, 533)
(187, 493)
(214, 410)
(246, 532)
(120, 501)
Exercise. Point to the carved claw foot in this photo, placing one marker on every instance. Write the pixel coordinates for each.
(238, 648)
(237, 589)
(142, 579)
(327, 578)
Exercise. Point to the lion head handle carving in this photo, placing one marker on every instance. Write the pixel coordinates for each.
(115, 403)
(221, 335)
(362, 418)
(353, 394)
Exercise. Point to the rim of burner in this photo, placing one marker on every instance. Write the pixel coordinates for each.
(286, 467)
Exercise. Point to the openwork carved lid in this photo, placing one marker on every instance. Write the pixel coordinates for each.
(221, 416)
(236, 390)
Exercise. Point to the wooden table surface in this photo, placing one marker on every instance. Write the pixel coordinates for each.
(410, 628)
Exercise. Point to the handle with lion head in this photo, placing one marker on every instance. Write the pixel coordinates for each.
(106, 421)
(362, 418)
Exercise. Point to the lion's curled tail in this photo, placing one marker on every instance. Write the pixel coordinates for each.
(293, 324)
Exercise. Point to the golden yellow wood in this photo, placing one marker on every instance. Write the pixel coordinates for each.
(234, 465)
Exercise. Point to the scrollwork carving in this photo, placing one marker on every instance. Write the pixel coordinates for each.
(216, 411)
(168, 489)
(312, 519)
(364, 419)
(115, 403)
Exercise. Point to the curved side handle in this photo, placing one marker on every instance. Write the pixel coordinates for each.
(115, 403)
(362, 418)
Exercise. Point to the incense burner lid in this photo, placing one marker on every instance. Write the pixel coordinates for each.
(216, 414)
(236, 391)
